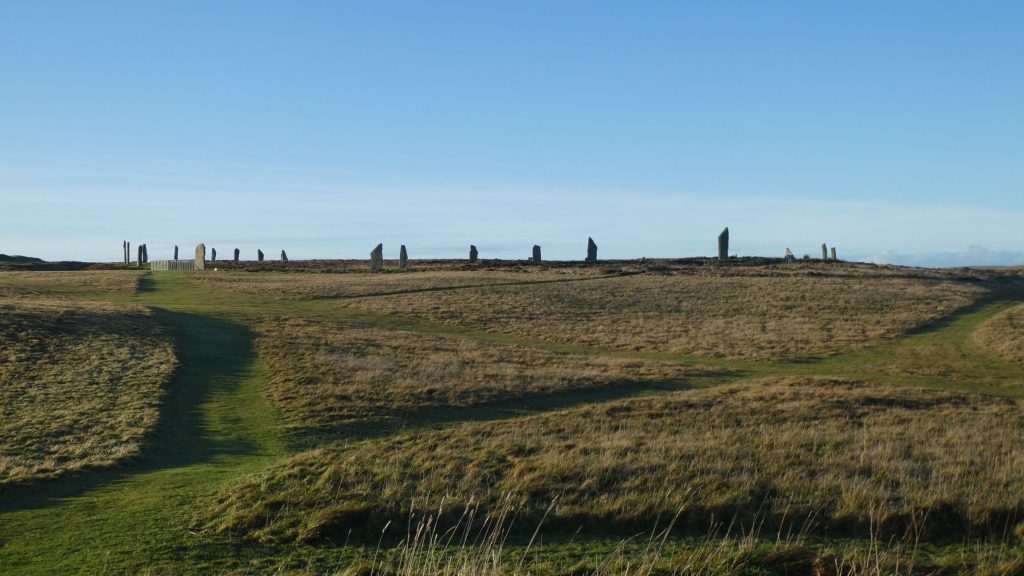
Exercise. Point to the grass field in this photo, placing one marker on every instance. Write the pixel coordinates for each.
(782, 420)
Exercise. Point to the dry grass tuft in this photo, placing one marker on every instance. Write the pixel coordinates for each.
(734, 313)
(327, 374)
(843, 456)
(80, 385)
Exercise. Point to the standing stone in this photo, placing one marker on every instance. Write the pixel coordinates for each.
(591, 250)
(175, 252)
(237, 254)
(824, 251)
(834, 253)
(536, 254)
(789, 256)
(473, 253)
(213, 255)
(138, 260)
(145, 253)
(127, 252)
(377, 258)
(201, 257)
(124, 251)
(723, 244)
(403, 258)
(284, 256)
(259, 255)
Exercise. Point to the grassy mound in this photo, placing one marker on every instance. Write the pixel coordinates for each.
(325, 375)
(80, 385)
(733, 313)
(823, 455)
(1004, 334)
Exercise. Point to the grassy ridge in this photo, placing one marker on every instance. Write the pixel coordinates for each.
(80, 385)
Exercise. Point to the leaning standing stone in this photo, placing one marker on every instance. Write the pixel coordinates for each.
(213, 255)
(200, 257)
(472, 253)
(591, 250)
(377, 258)
(536, 254)
(824, 251)
(723, 244)
(259, 255)
(284, 256)
(403, 258)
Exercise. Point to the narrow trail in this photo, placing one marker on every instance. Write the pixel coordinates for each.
(216, 427)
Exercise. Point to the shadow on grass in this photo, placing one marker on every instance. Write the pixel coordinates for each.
(215, 356)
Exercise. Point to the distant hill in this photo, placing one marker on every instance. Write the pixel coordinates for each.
(5, 259)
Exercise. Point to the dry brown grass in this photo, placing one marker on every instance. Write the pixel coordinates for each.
(847, 455)
(13, 284)
(80, 384)
(313, 285)
(327, 374)
(1004, 334)
(733, 313)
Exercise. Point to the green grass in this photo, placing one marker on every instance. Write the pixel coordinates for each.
(217, 428)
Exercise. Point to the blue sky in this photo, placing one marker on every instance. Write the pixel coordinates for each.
(890, 129)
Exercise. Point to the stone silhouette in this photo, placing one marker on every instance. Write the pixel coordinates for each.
(175, 251)
(259, 255)
(403, 258)
(201, 257)
(536, 254)
(145, 254)
(473, 253)
(723, 244)
(237, 254)
(284, 256)
(377, 258)
(591, 250)
(789, 256)
(138, 260)
(834, 253)
(124, 250)
(213, 255)
(824, 251)
(127, 252)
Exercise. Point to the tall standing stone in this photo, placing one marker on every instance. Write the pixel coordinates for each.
(591, 250)
(237, 254)
(834, 253)
(403, 258)
(138, 260)
(175, 252)
(377, 258)
(213, 255)
(723, 244)
(127, 252)
(284, 256)
(145, 254)
(259, 255)
(536, 254)
(473, 254)
(200, 257)
(824, 251)
(124, 251)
